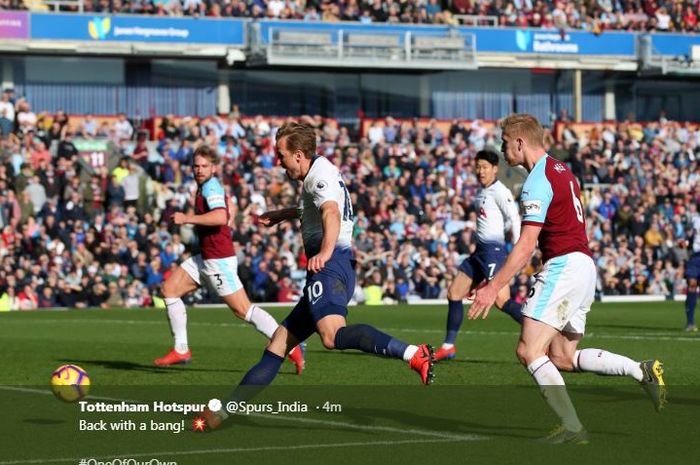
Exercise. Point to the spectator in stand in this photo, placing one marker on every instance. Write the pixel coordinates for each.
(596, 17)
(123, 129)
(7, 109)
(410, 183)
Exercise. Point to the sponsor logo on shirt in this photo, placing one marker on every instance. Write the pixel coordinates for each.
(532, 207)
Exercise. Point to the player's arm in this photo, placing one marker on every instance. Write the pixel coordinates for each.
(330, 218)
(522, 251)
(215, 217)
(277, 216)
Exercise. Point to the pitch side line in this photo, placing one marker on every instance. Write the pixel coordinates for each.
(49, 393)
(388, 429)
(235, 450)
(633, 336)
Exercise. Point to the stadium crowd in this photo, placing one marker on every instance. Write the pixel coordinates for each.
(77, 232)
(596, 16)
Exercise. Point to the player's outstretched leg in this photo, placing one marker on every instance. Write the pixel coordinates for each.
(261, 321)
(259, 376)
(648, 373)
(369, 339)
(534, 341)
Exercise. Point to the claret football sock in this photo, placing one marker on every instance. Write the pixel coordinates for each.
(606, 363)
(261, 320)
(455, 316)
(177, 315)
(368, 339)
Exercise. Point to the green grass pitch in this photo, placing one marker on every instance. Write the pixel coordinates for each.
(483, 407)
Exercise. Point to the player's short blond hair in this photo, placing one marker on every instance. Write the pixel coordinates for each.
(525, 126)
(299, 136)
(207, 152)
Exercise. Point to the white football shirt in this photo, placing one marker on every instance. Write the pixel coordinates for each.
(323, 183)
(696, 233)
(496, 212)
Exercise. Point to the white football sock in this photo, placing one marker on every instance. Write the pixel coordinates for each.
(409, 353)
(262, 321)
(606, 363)
(447, 346)
(554, 392)
(177, 315)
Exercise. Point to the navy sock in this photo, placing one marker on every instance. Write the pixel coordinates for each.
(258, 377)
(455, 316)
(368, 339)
(690, 301)
(514, 310)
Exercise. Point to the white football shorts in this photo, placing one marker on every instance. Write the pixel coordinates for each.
(221, 274)
(563, 293)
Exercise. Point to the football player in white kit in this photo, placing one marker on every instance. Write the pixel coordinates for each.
(326, 225)
(496, 213)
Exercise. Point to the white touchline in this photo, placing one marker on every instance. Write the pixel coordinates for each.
(389, 429)
(47, 392)
(632, 336)
(238, 449)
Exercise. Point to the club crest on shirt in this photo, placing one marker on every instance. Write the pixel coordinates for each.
(563, 310)
(321, 185)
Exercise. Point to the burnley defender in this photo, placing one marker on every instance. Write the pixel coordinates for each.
(216, 266)
(562, 295)
(496, 213)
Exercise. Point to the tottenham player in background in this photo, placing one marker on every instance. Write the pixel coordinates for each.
(326, 226)
(216, 265)
(496, 212)
(692, 274)
(557, 305)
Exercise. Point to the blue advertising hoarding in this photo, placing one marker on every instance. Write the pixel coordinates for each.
(138, 29)
(673, 44)
(552, 42)
(488, 40)
(233, 32)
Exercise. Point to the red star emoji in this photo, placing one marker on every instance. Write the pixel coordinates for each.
(199, 424)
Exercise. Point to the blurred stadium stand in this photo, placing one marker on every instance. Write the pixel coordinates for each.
(102, 113)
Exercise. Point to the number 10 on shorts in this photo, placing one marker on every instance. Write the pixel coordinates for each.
(314, 291)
